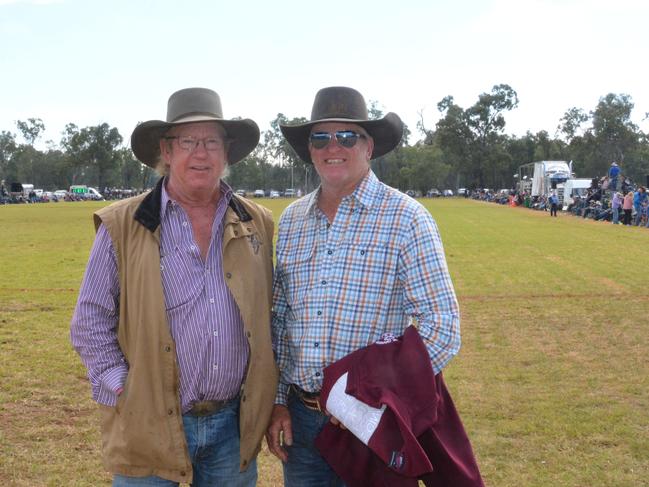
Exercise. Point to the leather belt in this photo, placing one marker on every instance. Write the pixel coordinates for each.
(206, 408)
(310, 399)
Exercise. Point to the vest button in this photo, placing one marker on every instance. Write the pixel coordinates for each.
(170, 412)
(236, 232)
(243, 398)
(183, 473)
(228, 275)
(249, 334)
(167, 348)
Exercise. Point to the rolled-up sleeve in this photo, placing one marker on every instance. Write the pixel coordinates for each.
(93, 330)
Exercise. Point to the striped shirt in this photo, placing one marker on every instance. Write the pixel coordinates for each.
(206, 326)
(377, 268)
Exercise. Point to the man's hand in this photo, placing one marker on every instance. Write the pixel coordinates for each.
(336, 422)
(279, 432)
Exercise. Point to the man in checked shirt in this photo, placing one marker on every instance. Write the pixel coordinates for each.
(355, 259)
(173, 316)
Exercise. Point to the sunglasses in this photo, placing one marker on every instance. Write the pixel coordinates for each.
(346, 138)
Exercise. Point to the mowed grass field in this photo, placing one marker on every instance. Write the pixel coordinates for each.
(552, 381)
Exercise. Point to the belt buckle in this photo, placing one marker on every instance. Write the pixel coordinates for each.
(206, 408)
(310, 402)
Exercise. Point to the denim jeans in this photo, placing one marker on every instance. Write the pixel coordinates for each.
(305, 466)
(616, 215)
(213, 443)
(638, 215)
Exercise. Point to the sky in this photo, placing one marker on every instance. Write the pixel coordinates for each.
(89, 62)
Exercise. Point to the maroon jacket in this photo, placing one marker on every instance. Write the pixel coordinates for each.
(418, 435)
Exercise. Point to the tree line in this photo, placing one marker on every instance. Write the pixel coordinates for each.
(466, 147)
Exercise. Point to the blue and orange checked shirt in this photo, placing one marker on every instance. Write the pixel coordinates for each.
(377, 268)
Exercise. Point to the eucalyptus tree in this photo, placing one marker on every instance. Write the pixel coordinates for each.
(92, 152)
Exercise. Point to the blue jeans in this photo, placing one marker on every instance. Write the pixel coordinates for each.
(638, 215)
(305, 466)
(616, 215)
(213, 443)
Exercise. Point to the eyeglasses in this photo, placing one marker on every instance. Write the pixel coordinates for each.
(189, 143)
(346, 138)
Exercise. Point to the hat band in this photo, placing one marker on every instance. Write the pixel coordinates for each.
(196, 118)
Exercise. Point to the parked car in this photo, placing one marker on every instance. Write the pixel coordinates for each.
(462, 192)
(433, 193)
(290, 193)
(274, 194)
(241, 192)
(60, 194)
(259, 193)
(448, 192)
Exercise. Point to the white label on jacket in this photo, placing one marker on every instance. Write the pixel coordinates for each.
(359, 418)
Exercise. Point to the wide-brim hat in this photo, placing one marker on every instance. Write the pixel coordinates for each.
(193, 105)
(342, 104)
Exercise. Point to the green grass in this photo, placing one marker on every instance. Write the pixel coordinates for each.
(552, 381)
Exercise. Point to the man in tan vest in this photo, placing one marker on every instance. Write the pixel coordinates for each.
(173, 316)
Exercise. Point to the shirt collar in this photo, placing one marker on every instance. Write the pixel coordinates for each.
(365, 194)
(166, 202)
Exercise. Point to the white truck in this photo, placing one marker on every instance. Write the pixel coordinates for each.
(571, 188)
(542, 177)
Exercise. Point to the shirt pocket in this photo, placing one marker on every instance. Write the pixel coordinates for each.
(370, 270)
(295, 266)
(182, 278)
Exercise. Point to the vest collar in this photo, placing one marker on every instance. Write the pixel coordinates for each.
(148, 211)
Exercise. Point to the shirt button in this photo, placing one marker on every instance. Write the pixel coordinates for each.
(184, 224)
(193, 247)
(316, 344)
(216, 333)
(362, 252)
(319, 313)
(323, 282)
(211, 300)
(215, 367)
(317, 374)
(329, 252)
(162, 268)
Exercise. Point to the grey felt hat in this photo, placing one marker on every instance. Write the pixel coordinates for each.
(188, 106)
(342, 104)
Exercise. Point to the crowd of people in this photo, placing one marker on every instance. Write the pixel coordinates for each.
(8, 197)
(612, 198)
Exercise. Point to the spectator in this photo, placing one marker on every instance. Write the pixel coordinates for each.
(627, 206)
(639, 198)
(613, 173)
(616, 204)
(554, 202)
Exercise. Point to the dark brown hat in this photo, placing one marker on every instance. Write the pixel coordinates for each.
(189, 106)
(341, 104)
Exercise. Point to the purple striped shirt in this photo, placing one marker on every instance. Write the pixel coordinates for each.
(205, 322)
